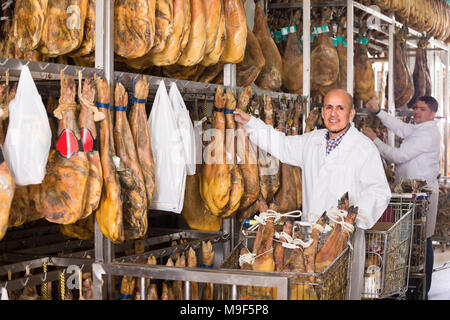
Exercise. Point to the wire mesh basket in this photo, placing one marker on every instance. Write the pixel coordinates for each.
(331, 284)
(388, 251)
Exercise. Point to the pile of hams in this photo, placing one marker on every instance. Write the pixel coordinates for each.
(100, 164)
(187, 35)
(172, 290)
(310, 255)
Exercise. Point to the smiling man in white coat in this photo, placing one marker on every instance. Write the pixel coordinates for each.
(334, 161)
(417, 157)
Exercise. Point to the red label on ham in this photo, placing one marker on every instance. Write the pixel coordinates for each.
(67, 144)
(87, 140)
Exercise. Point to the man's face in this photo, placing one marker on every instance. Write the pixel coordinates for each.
(337, 112)
(422, 112)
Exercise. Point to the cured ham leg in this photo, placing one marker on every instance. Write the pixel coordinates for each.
(172, 50)
(213, 13)
(237, 181)
(131, 178)
(63, 31)
(420, 75)
(63, 189)
(279, 249)
(297, 171)
(167, 290)
(7, 185)
(178, 285)
(163, 24)
(29, 18)
(109, 214)
(296, 263)
(250, 67)
(264, 260)
(88, 133)
(236, 31)
(134, 27)
(192, 263)
(215, 177)
(335, 243)
(213, 54)
(270, 77)
(324, 57)
(141, 136)
(364, 75)
(311, 251)
(247, 153)
(88, 44)
(152, 293)
(268, 165)
(207, 261)
(292, 76)
(194, 51)
(286, 196)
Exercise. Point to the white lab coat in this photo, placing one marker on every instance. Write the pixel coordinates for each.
(417, 158)
(354, 166)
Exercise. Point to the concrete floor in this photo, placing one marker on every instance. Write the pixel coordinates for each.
(440, 284)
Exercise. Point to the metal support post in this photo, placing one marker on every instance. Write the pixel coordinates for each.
(306, 15)
(350, 27)
(391, 98)
(104, 59)
(228, 225)
(446, 110)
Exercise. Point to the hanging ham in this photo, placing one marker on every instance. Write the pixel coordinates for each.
(63, 189)
(28, 23)
(236, 31)
(64, 27)
(270, 77)
(172, 50)
(364, 75)
(134, 27)
(195, 212)
(237, 182)
(7, 185)
(195, 49)
(109, 214)
(250, 67)
(213, 13)
(215, 176)
(420, 73)
(213, 56)
(324, 57)
(163, 24)
(131, 178)
(247, 153)
(141, 136)
(403, 83)
(88, 132)
(88, 44)
(286, 196)
(292, 75)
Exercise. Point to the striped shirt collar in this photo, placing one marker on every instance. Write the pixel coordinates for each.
(333, 143)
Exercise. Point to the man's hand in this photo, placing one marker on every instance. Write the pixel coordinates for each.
(369, 133)
(241, 117)
(372, 104)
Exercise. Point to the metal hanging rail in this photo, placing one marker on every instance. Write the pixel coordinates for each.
(397, 24)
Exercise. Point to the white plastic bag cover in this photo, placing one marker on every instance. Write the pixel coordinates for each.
(28, 138)
(185, 127)
(168, 155)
